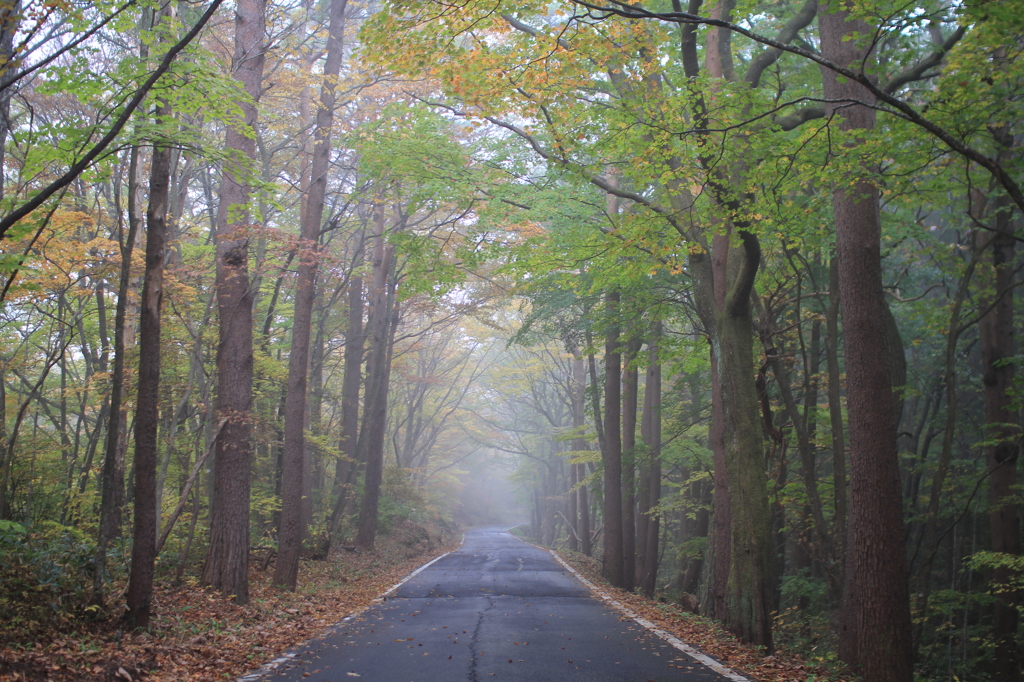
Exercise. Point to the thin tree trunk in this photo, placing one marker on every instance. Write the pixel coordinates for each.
(147, 409)
(183, 498)
(112, 483)
(630, 389)
(651, 434)
(836, 424)
(347, 459)
(4, 455)
(572, 511)
(930, 537)
(579, 418)
(371, 435)
(292, 530)
(805, 444)
(612, 453)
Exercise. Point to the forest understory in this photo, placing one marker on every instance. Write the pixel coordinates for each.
(199, 634)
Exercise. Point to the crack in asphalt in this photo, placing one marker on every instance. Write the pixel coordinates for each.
(519, 593)
(473, 640)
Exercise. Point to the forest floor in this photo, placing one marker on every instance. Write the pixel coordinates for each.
(198, 634)
(785, 665)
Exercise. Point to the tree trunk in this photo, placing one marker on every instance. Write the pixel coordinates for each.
(651, 480)
(10, 19)
(1001, 451)
(836, 425)
(876, 632)
(611, 455)
(112, 481)
(347, 459)
(292, 529)
(147, 408)
(630, 388)
(748, 590)
(227, 559)
(723, 283)
(371, 435)
(579, 418)
(572, 508)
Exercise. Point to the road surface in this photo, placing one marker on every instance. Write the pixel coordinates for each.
(496, 609)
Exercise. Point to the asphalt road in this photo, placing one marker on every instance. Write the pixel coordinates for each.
(496, 609)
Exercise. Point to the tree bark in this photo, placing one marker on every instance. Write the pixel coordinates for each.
(630, 389)
(147, 407)
(292, 529)
(579, 419)
(227, 559)
(347, 460)
(371, 435)
(836, 425)
(876, 631)
(651, 480)
(1001, 451)
(10, 20)
(112, 481)
(723, 282)
(612, 452)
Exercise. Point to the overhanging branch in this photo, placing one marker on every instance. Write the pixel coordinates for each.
(628, 11)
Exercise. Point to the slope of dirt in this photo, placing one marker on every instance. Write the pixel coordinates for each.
(197, 634)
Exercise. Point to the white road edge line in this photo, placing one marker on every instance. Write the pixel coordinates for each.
(270, 667)
(722, 670)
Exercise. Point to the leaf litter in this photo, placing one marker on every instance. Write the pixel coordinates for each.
(708, 636)
(198, 634)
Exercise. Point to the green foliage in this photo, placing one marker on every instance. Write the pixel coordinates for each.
(1009, 566)
(399, 501)
(45, 575)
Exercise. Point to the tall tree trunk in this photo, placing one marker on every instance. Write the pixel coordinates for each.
(112, 481)
(292, 530)
(314, 463)
(630, 389)
(573, 512)
(371, 435)
(836, 425)
(227, 559)
(147, 406)
(1001, 451)
(651, 480)
(747, 607)
(742, 577)
(611, 455)
(579, 418)
(876, 632)
(576, 409)
(347, 459)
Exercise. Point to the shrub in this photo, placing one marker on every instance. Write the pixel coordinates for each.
(45, 575)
